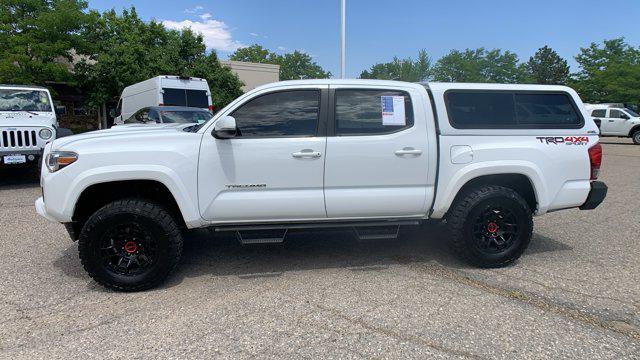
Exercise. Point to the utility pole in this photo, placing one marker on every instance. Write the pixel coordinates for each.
(342, 73)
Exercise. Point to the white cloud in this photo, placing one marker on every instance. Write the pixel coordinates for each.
(253, 34)
(281, 48)
(194, 10)
(216, 33)
(205, 16)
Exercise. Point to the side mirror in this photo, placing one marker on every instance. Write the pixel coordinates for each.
(225, 128)
(112, 113)
(625, 116)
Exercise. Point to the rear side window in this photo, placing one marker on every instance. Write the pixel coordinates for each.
(197, 98)
(284, 113)
(599, 113)
(508, 110)
(174, 97)
(371, 112)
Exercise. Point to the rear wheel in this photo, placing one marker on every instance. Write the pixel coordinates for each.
(636, 137)
(491, 226)
(130, 245)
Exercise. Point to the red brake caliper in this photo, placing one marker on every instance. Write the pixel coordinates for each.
(130, 247)
(492, 227)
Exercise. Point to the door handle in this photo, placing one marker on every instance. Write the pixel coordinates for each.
(408, 151)
(307, 153)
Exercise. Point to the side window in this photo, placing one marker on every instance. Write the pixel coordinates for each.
(153, 116)
(616, 114)
(511, 109)
(599, 113)
(174, 97)
(546, 110)
(469, 110)
(141, 116)
(284, 113)
(370, 112)
(197, 98)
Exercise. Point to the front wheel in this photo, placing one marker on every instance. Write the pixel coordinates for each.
(491, 226)
(130, 245)
(636, 137)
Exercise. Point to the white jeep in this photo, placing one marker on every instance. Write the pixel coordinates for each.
(371, 155)
(27, 122)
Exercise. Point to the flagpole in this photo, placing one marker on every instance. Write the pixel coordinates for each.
(342, 42)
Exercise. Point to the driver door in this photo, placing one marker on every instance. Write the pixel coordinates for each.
(273, 169)
(615, 122)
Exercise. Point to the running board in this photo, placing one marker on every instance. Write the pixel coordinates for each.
(251, 237)
(377, 232)
(316, 225)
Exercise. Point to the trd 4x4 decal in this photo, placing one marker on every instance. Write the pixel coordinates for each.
(568, 140)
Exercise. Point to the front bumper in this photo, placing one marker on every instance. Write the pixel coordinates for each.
(41, 209)
(596, 195)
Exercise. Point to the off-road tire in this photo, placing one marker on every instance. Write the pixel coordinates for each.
(636, 137)
(152, 217)
(462, 218)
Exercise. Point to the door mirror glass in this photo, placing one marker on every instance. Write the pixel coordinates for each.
(624, 116)
(225, 128)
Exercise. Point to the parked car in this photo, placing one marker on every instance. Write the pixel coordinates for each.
(169, 115)
(616, 120)
(27, 122)
(163, 90)
(367, 154)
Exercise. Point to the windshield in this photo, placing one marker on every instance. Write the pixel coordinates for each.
(632, 113)
(185, 117)
(24, 100)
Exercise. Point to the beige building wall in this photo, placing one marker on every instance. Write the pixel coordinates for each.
(253, 74)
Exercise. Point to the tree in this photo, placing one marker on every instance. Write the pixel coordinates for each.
(478, 65)
(403, 70)
(127, 50)
(546, 67)
(609, 72)
(296, 65)
(35, 35)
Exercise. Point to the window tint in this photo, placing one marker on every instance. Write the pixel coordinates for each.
(599, 113)
(174, 97)
(481, 109)
(504, 109)
(545, 109)
(197, 98)
(286, 113)
(360, 112)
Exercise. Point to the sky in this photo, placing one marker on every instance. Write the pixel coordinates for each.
(378, 30)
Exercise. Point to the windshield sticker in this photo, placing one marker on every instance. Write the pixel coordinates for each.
(393, 111)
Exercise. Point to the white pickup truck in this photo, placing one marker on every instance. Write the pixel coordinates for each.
(372, 155)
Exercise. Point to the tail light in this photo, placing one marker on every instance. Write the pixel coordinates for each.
(595, 158)
(211, 108)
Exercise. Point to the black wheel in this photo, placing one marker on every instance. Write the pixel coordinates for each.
(491, 226)
(636, 137)
(130, 245)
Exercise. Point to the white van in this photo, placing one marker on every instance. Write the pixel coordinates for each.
(164, 90)
(616, 120)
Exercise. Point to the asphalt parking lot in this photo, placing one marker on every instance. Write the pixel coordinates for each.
(574, 294)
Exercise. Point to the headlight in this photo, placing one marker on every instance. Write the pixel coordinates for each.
(45, 134)
(56, 160)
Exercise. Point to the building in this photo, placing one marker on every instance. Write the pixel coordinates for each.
(253, 74)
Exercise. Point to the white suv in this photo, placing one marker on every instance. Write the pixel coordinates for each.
(372, 155)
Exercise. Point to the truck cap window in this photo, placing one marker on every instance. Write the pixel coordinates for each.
(283, 113)
(511, 109)
(185, 97)
(359, 112)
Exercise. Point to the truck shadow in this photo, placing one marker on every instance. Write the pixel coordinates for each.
(211, 254)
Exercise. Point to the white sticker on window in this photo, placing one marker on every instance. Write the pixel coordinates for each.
(393, 111)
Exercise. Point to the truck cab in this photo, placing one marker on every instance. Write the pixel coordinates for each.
(27, 122)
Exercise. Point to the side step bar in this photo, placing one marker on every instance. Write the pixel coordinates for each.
(251, 237)
(317, 225)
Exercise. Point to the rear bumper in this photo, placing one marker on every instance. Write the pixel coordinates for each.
(596, 195)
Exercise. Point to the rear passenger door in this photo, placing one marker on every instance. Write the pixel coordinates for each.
(376, 163)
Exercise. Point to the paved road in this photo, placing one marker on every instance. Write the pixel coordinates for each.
(574, 294)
